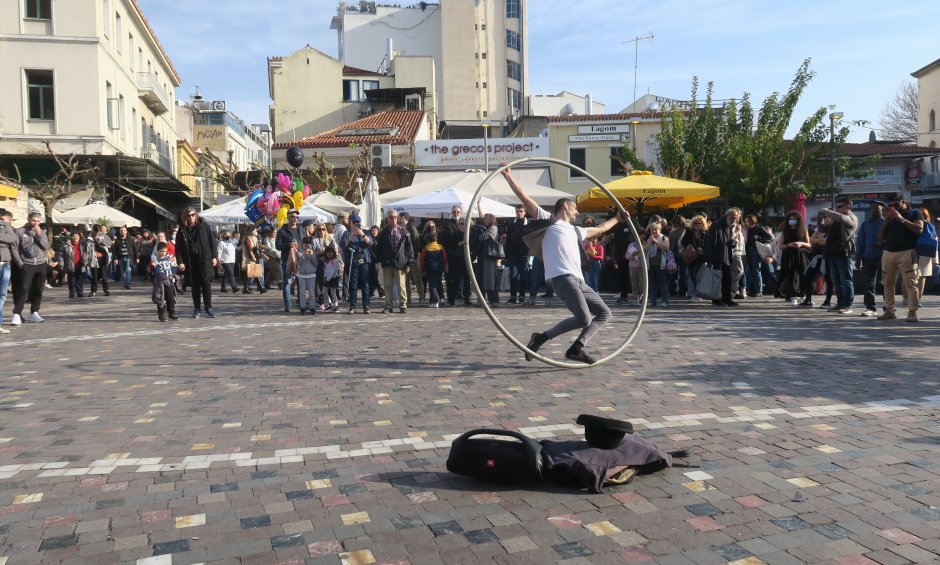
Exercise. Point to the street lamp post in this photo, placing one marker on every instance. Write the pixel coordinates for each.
(832, 146)
(633, 126)
(486, 148)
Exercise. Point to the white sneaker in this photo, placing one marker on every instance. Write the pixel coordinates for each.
(4, 330)
(35, 317)
(868, 313)
(695, 299)
(16, 320)
(794, 301)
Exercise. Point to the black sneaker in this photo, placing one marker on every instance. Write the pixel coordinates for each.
(535, 342)
(580, 356)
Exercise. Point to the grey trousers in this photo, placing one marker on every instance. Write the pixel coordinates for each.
(583, 303)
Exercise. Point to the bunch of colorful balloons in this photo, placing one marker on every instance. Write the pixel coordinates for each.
(267, 205)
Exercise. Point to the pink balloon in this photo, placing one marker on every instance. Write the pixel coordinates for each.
(306, 191)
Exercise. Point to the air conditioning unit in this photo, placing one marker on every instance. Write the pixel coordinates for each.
(381, 156)
(218, 105)
(413, 102)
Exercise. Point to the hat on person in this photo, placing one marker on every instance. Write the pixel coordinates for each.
(355, 219)
(604, 433)
(293, 211)
(343, 214)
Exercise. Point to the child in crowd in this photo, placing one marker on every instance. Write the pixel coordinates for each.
(164, 283)
(332, 269)
(636, 268)
(306, 260)
(227, 249)
(433, 261)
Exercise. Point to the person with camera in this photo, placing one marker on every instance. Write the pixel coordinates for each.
(899, 236)
(395, 251)
(839, 251)
(357, 246)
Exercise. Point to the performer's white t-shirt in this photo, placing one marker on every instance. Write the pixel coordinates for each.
(560, 248)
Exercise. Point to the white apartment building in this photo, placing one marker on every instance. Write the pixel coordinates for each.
(88, 75)
(208, 125)
(479, 49)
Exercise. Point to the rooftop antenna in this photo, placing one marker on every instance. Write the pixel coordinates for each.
(636, 56)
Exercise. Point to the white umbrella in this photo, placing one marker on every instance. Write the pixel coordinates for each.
(371, 210)
(230, 213)
(497, 190)
(91, 213)
(310, 212)
(441, 202)
(330, 202)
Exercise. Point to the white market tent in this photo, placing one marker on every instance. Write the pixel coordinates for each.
(91, 213)
(310, 212)
(230, 213)
(440, 203)
(469, 181)
(330, 202)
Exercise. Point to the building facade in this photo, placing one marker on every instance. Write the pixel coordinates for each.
(88, 75)
(589, 142)
(928, 104)
(479, 49)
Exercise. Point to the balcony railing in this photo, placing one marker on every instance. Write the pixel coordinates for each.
(152, 93)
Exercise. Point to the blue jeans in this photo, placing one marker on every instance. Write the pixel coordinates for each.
(359, 279)
(125, 264)
(692, 276)
(518, 282)
(658, 285)
(5, 271)
(288, 280)
(757, 271)
(594, 276)
(535, 282)
(840, 271)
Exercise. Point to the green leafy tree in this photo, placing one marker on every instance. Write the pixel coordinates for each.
(747, 155)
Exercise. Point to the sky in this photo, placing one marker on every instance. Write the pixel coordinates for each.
(861, 50)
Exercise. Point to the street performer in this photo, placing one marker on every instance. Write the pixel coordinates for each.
(562, 253)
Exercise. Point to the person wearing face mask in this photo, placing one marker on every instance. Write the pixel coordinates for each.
(226, 251)
(868, 252)
(793, 244)
(817, 264)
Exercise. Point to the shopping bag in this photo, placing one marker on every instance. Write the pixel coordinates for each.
(709, 283)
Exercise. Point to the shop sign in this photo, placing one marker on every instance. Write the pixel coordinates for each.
(471, 152)
(882, 176)
(605, 128)
(209, 137)
(913, 173)
(598, 137)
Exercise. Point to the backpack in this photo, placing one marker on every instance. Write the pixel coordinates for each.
(927, 241)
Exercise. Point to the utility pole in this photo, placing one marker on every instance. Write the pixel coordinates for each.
(636, 57)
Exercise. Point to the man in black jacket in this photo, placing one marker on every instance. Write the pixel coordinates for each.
(395, 252)
(517, 255)
(197, 255)
(125, 255)
(719, 243)
(288, 237)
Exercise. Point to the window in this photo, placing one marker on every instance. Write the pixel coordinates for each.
(121, 115)
(513, 40)
(369, 85)
(39, 9)
(130, 50)
(114, 119)
(41, 95)
(577, 156)
(350, 90)
(514, 99)
(932, 120)
(140, 58)
(615, 169)
(513, 8)
(133, 122)
(484, 85)
(513, 70)
(118, 32)
(106, 14)
(483, 55)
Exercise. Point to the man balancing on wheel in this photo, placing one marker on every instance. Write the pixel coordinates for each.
(562, 253)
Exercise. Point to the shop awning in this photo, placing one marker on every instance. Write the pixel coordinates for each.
(148, 201)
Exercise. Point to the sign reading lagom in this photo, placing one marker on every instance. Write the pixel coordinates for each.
(470, 152)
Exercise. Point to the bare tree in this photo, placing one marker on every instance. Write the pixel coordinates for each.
(71, 176)
(899, 117)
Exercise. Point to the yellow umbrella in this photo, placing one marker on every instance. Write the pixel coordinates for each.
(646, 189)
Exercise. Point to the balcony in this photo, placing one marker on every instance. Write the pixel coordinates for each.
(152, 93)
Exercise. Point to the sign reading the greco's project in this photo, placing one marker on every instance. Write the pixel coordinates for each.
(470, 152)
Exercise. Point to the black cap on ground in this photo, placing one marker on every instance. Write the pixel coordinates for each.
(603, 433)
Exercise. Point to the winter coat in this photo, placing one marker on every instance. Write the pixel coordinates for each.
(66, 256)
(391, 256)
(197, 250)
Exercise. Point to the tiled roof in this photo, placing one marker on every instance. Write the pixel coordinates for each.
(408, 123)
(157, 41)
(606, 117)
(356, 72)
(885, 149)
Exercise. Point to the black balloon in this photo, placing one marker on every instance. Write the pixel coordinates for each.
(295, 157)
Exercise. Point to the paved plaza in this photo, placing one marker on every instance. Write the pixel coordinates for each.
(261, 437)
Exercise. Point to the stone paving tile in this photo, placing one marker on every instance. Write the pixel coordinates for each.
(110, 459)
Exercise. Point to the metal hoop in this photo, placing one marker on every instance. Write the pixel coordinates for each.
(486, 306)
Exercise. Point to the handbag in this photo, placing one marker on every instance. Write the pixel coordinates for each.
(253, 270)
(689, 254)
(764, 249)
(671, 266)
(494, 249)
(708, 285)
